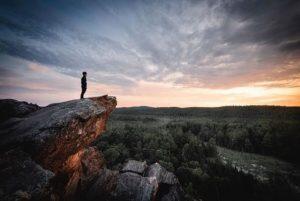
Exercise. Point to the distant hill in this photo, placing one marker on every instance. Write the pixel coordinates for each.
(272, 112)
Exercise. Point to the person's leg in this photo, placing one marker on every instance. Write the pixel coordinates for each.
(82, 93)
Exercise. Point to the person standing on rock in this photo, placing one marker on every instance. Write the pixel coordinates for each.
(83, 85)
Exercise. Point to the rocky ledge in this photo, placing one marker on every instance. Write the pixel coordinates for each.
(45, 154)
(136, 182)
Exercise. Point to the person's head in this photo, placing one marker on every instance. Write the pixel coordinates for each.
(84, 73)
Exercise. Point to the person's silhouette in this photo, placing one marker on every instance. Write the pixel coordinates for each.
(83, 84)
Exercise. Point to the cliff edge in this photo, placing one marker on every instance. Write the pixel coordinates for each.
(45, 154)
(35, 143)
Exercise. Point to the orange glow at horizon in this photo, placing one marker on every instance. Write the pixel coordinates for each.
(154, 94)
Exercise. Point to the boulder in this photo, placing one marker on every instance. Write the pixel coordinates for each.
(161, 175)
(135, 182)
(135, 167)
(131, 186)
(55, 132)
(134, 187)
(45, 154)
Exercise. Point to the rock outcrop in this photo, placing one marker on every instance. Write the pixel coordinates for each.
(136, 182)
(45, 154)
(53, 133)
(48, 141)
(135, 167)
(12, 108)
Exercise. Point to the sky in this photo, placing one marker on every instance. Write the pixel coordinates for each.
(158, 53)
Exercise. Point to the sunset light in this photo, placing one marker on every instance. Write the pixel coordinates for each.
(189, 53)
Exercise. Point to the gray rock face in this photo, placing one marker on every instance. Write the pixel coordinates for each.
(127, 185)
(135, 167)
(12, 108)
(57, 131)
(133, 187)
(161, 174)
(51, 145)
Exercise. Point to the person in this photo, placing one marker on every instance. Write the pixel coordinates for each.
(83, 85)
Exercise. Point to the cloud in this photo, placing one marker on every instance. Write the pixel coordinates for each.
(271, 22)
(219, 44)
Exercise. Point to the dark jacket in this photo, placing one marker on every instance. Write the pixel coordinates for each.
(83, 82)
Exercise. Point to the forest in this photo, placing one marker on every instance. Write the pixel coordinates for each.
(186, 141)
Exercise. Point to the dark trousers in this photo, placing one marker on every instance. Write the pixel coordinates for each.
(83, 90)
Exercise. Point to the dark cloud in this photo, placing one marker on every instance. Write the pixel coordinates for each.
(291, 46)
(270, 21)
